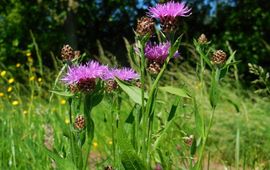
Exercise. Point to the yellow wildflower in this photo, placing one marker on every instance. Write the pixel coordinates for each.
(18, 65)
(3, 73)
(28, 54)
(63, 101)
(15, 102)
(95, 144)
(2, 94)
(31, 78)
(9, 89)
(67, 121)
(110, 142)
(11, 80)
(25, 112)
(39, 79)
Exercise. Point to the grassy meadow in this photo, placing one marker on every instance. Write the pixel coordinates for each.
(32, 117)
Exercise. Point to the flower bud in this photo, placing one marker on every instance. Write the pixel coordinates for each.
(111, 85)
(145, 25)
(202, 39)
(154, 67)
(79, 122)
(219, 57)
(67, 53)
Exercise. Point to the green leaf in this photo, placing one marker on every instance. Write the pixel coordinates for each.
(133, 59)
(132, 91)
(60, 162)
(214, 94)
(200, 127)
(175, 91)
(131, 118)
(234, 104)
(173, 109)
(231, 57)
(89, 103)
(62, 93)
(129, 159)
(175, 46)
(163, 133)
(193, 147)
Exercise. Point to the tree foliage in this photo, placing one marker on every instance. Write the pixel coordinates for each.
(244, 23)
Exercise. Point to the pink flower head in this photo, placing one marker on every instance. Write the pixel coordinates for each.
(158, 52)
(169, 10)
(90, 70)
(125, 74)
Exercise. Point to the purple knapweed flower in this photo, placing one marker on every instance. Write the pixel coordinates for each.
(125, 74)
(158, 52)
(90, 70)
(83, 77)
(168, 13)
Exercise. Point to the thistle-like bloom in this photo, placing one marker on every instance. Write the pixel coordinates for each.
(125, 74)
(83, 77)
(168, 13)
(90, 70)
(158, 52)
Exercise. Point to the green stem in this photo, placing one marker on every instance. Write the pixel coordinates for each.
(202, 74)
(56, 80)
(71, 138)
(205, 140)
(86, 157)
(113, 130)
(38, 53)
(148, 112)
(144, 122)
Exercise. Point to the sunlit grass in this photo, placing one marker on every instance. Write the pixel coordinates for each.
(23, 118)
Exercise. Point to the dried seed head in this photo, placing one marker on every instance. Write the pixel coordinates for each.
(154, 67)
(48, 136)
(138, 84)
(67, 53)
(202, 39)
(145, 25)
(111, 85)
(169, 24)
(108, 167)
(188, 140)
(219, 57)
(79, 122)
(86, 85)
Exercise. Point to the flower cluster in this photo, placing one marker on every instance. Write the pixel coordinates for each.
(83, 77)
(168, 14)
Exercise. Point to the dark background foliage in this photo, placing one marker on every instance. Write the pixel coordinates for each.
(245, 24)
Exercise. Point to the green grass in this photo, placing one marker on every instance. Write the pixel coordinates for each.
(23, 125)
